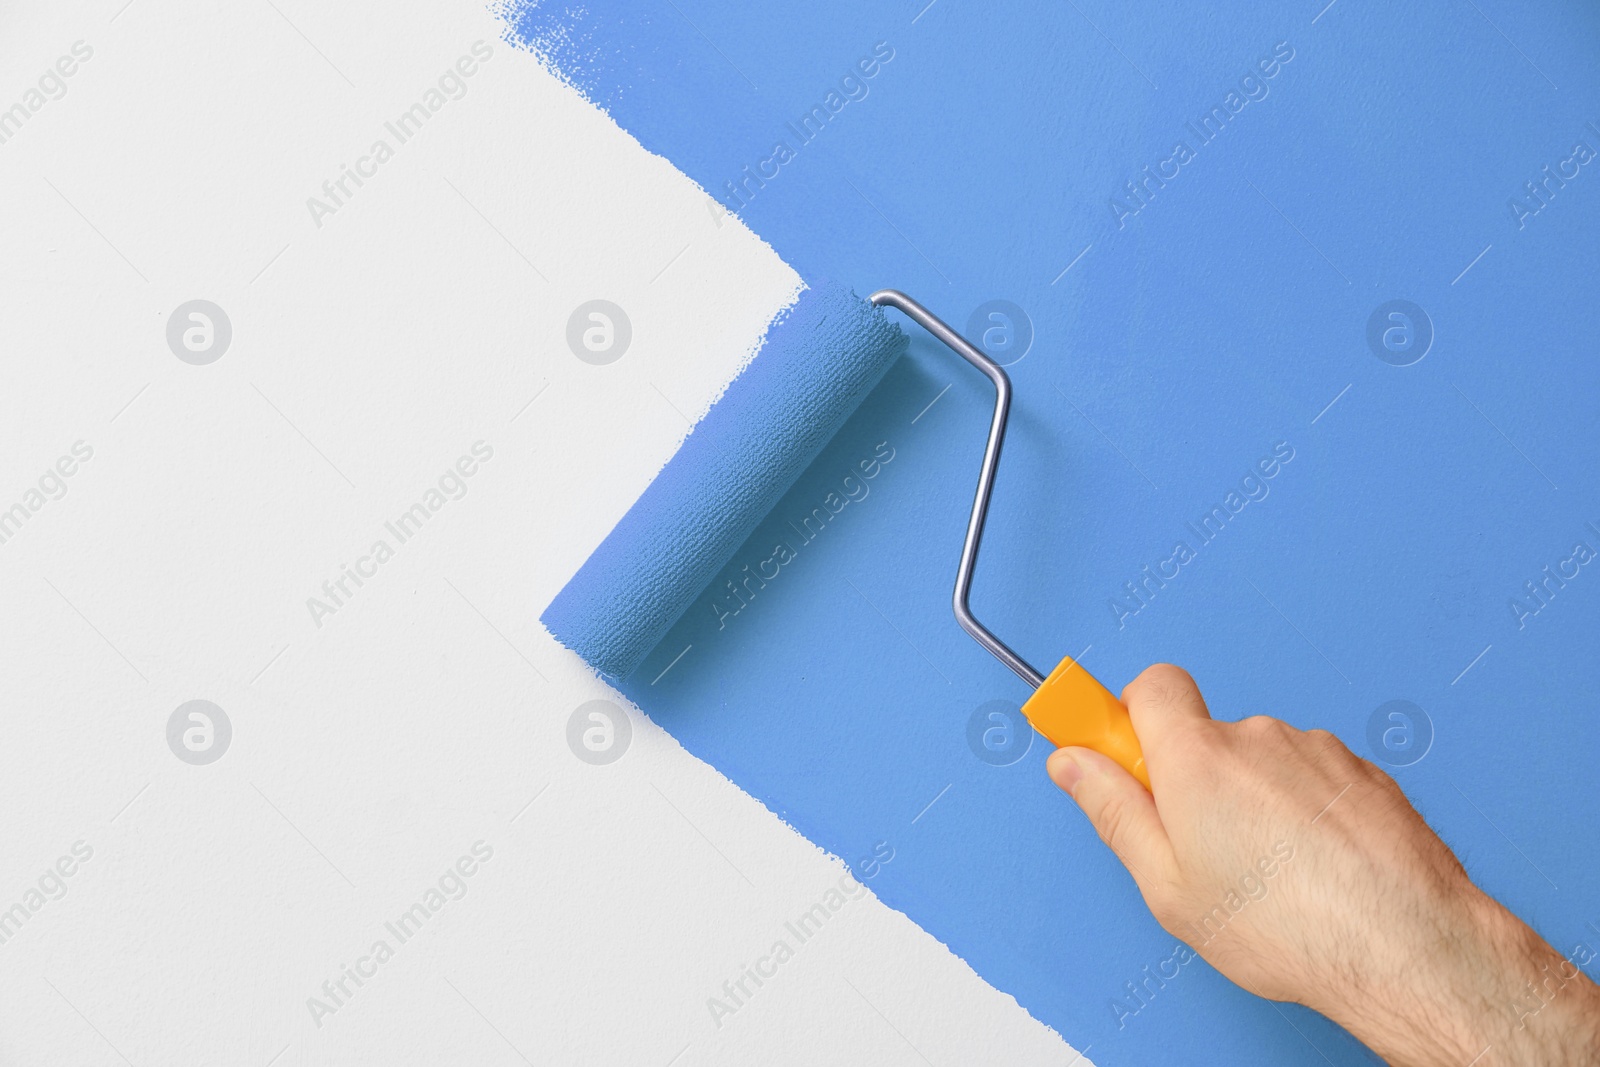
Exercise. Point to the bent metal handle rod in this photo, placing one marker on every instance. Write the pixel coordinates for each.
(991, 462)
(1070, 707)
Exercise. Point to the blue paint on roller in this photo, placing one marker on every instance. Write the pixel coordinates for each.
(820, 359)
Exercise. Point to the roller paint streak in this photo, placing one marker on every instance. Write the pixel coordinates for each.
(820, 359)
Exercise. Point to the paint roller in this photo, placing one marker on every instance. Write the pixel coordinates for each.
(818, 361)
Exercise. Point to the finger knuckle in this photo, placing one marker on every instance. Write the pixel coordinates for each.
(1162, 684)
(1260, 726)
(1329, 745)
(1113, 821)
(1164, 902)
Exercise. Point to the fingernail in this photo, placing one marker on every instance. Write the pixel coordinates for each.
(1064, 770)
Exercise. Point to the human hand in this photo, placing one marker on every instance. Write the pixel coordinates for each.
(1301, 872)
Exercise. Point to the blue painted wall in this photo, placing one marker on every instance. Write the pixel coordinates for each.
(1181, 334)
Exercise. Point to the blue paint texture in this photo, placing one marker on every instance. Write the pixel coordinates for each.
(821, 357)
(1200, 316)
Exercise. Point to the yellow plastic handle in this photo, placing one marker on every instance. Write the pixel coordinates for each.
(1072, 708)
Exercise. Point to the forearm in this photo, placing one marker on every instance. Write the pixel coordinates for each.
(1493, 994)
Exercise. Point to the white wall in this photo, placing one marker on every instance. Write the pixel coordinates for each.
(374, 746)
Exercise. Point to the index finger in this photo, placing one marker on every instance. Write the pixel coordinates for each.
(1161, 697)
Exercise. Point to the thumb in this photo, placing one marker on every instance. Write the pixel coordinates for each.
(1121, 810)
